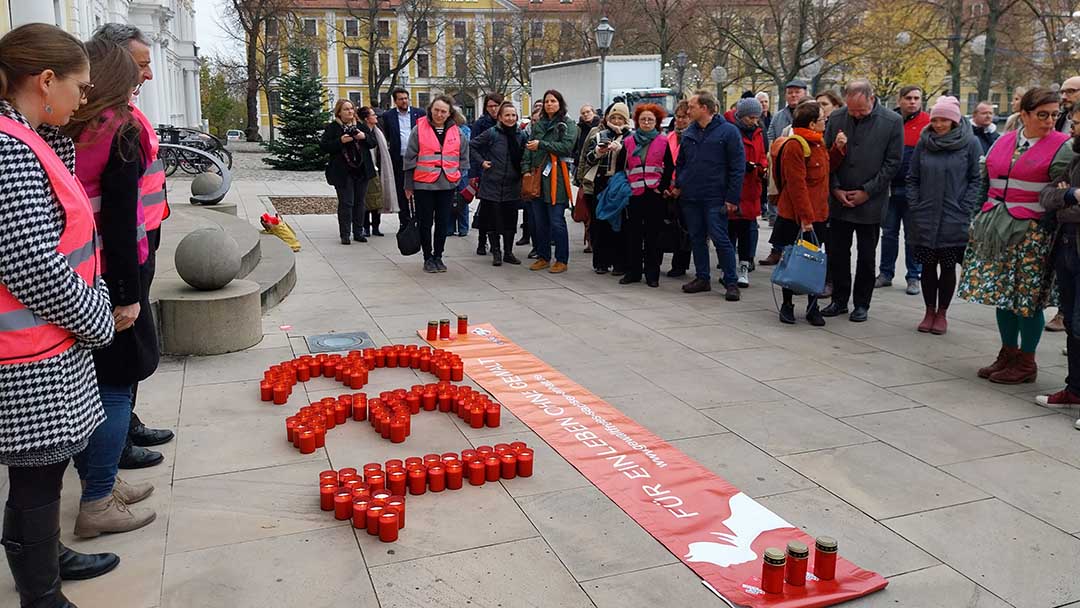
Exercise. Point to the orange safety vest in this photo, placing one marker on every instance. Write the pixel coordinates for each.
(673, 145)
(24, 336)
(435, 159)
(152, 195)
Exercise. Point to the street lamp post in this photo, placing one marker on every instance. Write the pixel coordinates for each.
(719, 75)
(604, 34)
(681, 61)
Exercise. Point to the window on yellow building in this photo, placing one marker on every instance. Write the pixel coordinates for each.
(423, 66)
(537, 29)
(536, 57)
(352, 61)
(566, 29)
(459, 29)
(313, 64)
(310, 27)
(384, 28)
(498, 30)
(421, 30)
(271, 27)
(273, 64)
(498, 67)
(384, 64)
(274, 100)
(424, 99)
(356, 98)
(459, 64)
(352, 28)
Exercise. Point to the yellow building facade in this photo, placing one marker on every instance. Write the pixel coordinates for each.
(459, 34)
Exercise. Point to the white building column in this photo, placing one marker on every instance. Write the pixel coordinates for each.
(191, 102)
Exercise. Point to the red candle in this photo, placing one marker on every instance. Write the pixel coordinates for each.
(454, 472)
(381, 495)
(525, 462)
(414, 358)
(397, 431)
(326, 496)
(508, 464)
(359, 516)
(417, 480)
(380, 358)
(347, 471)
(359, 405)
(307, 442)
(315, 367)
(384, 426)
(328, 476)
(429, 400)
(492, 415)
(517, 446)
(290, 427)
(795, 570)
(330, 369)
(341, 413)
(372, 467)
(266, 391)
(352, 484)
(444, 329)
(412, 461)
(397, 505)
(477, 473)
(320, 436)
(457, 372)
(476, 417)
(445, 402)
(430, 459)
(388, 527)
(328, 418)
(772, 571)
(483, 451)
(463, 324)
(425, 362)
(492, 468)
(413, 401)
(396, 480)
(376, 481)
(393, 463)
(825, 558)
(357, 379)
(342, 505)
(361, 491)
(303, 373)
(436, 478)
(373, 513)
(433, 330)
(391, 358)
(280, 394)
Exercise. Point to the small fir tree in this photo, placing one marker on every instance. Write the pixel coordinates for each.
(302, 116)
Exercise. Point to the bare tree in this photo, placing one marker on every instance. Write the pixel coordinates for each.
(1056, 48)
(996, 11)
(420, 25)
(249, 21)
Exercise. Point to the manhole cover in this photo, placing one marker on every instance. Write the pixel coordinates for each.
(329, 343)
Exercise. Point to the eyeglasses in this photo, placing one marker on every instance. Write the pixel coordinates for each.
(84, 88)
(1044, 115)
(1070, 91)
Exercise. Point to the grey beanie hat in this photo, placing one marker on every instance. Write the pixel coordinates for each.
(747, 106)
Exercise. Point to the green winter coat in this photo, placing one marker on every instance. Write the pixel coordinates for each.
(556, 137)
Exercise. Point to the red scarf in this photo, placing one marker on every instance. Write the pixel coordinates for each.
(809, 135)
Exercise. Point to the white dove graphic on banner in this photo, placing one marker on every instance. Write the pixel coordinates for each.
(747, 521)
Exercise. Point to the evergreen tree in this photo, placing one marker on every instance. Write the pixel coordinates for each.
(302, 116)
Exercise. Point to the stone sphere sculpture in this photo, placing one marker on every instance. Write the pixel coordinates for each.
(207, 259)
(205, 184)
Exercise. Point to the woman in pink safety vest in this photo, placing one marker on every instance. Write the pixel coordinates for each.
(1007, 264)
(110, 164)
(436, 154)
(53, 307)
(649, 167)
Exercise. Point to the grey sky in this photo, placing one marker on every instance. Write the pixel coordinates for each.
(209, 35)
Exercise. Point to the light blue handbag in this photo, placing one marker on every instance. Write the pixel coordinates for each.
(802, 267)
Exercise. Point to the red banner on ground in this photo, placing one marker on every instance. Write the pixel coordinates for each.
(708, 523)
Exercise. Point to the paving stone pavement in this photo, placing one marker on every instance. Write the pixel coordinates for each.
(963, 493)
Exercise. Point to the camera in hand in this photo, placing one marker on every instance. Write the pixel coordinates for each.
(352, 130)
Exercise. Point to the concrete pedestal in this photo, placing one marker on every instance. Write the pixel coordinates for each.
(197, 322)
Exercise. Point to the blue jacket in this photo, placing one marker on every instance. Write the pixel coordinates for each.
(711, 163)
(611, 202)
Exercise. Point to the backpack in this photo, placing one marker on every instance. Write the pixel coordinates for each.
(776, 151)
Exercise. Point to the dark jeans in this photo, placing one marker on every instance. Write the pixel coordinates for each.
(704, 220)
(608, 246)
(839, 250)
(433, 206)
(742, 234)
(644, 219)
(350, 206)
(98, 463)
(895, 214)
(404, 215)
(549, 224)
(372, 219)
(1067, 268)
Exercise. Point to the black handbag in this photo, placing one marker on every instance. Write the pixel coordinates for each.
(408, 239)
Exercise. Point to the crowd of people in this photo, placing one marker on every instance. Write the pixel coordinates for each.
(990, 215)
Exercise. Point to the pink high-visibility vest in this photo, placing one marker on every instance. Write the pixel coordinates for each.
(155, 202)
(645, 175)
(1017, 185)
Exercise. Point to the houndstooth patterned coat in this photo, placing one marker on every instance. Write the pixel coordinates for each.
(48, 408)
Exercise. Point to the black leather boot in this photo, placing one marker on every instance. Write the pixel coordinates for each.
(144, 436)
(135, 457)
(32, 541)
(508, 249)
(75, 566)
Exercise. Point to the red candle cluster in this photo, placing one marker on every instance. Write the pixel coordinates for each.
(352, 368)
(374, 497)
(779, 568)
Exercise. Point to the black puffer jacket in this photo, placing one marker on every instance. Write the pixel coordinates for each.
(502, 182)
(339, 166)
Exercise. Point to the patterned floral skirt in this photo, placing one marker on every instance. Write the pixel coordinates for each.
(1020, 281)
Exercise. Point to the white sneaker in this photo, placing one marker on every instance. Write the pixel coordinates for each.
(744, 274)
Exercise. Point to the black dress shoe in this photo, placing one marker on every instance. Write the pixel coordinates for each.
(533, 255)
(787, 314)
(481, 249)
(524, 240)
(674, 274)
(626, 280)
(510, 258)
(360, 239)
(652, 282)
(345, 240)
(146, 437)
(136, 457)
(75, 566)
(834, 310)
(600, 270)
(617, 272)
(860, 314)
(814, 316)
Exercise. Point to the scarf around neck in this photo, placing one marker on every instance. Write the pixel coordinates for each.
(953, 139)
(513, 143)
(642, 140)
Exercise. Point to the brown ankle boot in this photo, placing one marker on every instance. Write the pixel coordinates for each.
(927, 321)
(132, 493)
(1004, 358)
(109, 514)
(1022, 370)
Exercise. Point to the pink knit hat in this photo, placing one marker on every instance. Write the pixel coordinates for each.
(946, 106)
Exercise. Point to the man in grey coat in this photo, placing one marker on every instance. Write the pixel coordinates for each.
(872, 140)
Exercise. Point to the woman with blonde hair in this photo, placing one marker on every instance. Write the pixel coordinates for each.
(349, 143)
(54, 308)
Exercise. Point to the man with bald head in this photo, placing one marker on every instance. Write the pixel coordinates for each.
(1070, 98)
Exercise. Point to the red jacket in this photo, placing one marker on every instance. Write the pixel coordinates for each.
(805, 195)
(753, 179)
